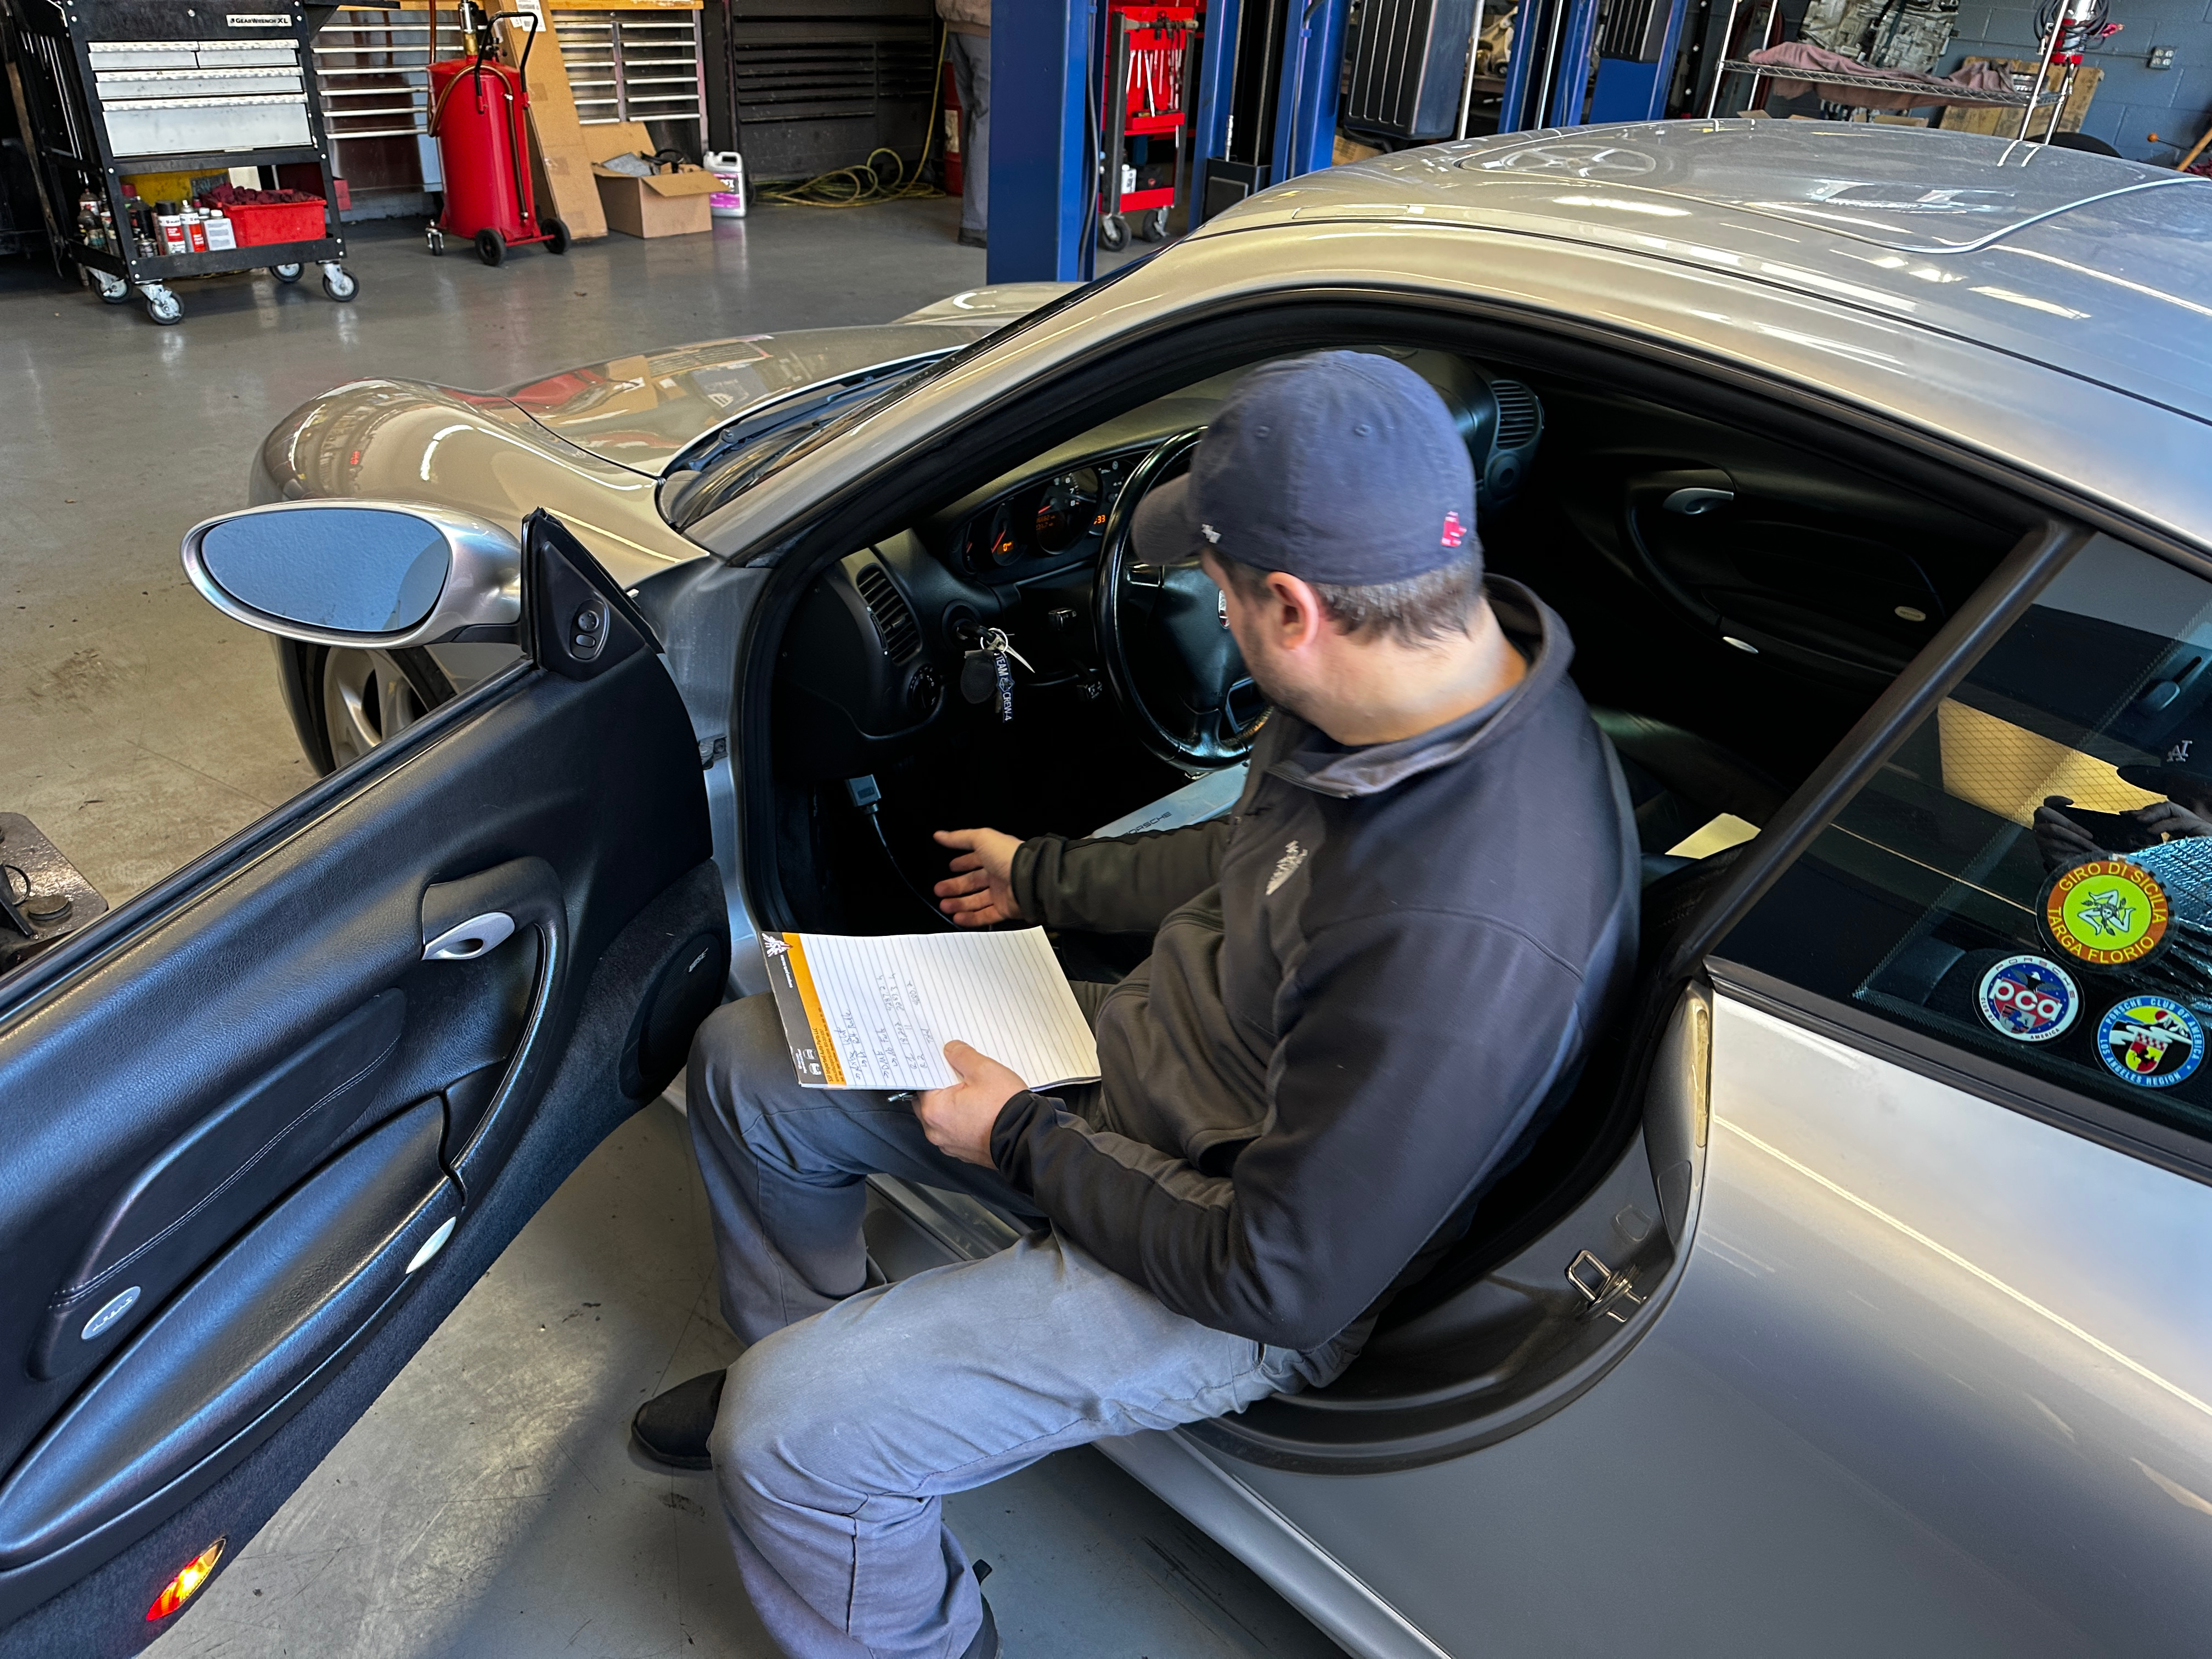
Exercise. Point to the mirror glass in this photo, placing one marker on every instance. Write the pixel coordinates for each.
(350, 569)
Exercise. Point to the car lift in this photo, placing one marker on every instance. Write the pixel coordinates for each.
(1267, 103)
(1045, 128)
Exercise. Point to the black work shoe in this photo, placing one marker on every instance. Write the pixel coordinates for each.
(973, 239)
(986, 1644)
(673, 1428)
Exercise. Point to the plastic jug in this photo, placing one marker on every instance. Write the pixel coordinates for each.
(729, 202)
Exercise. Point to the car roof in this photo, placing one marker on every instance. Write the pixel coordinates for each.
(2088, 264)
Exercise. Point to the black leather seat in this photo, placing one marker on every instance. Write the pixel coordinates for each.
(1680, 781)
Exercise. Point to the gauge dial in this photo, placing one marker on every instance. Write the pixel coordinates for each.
(991, 540)
(1064, 512)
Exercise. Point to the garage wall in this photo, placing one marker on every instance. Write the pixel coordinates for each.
(2133, 101)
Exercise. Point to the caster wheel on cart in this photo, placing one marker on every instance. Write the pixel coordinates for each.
(491, 246)
(1152, 225)
(164, 309)
(436, 238)
(286, 273)
(120, 294)
(556, 236)
(339, 283)
(1113, 233)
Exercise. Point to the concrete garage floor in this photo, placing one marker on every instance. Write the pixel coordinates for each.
(488, 1504)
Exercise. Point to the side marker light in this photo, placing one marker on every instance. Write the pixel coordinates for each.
(186, 1585)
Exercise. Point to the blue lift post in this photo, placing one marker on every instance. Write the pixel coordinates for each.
(1546, 78)
(1043, 177)
(1305, 108)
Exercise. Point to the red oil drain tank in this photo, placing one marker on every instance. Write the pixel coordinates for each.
(479, 111)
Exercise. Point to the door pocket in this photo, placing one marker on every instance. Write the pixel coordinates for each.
(201, 1188)
(233, 1355)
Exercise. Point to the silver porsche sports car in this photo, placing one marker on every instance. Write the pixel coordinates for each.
(1859, 1300)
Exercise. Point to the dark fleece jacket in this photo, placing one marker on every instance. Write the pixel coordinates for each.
(1365, 985)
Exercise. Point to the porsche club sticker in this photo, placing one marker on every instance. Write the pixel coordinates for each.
(2153, 1043)
(2029, 999)
(2107, 912)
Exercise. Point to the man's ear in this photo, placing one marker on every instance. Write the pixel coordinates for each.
(1297, 615)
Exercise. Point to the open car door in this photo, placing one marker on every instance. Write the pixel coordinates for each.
(262, 1126)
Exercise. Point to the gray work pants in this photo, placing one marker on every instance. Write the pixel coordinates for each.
(971, 79)
(857, 1410)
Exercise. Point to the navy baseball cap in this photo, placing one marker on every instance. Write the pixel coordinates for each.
(1342, 467)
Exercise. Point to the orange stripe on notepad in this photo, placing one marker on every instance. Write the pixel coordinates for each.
(824, 1048)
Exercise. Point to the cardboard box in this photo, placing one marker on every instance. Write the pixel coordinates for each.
(666, 204)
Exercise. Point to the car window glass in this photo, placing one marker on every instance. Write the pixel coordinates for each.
(2030, 875)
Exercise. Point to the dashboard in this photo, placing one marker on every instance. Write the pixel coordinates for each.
(871, 660)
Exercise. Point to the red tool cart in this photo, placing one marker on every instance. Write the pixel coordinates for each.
(1151, 62)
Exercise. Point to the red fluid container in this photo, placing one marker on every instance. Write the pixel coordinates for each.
(479, 107)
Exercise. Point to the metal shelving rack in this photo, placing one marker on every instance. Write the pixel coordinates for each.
(73, 51)
(633, 65)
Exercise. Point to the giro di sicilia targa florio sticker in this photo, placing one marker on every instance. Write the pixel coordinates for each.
(2107, 912)
(2029, 999)
(2153, 1043)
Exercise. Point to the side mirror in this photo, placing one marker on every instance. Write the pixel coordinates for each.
(360, 572)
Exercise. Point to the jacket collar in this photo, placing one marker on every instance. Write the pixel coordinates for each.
(1533, 627)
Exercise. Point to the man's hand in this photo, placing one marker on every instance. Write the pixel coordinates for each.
(2062, 842)
(981, 889)
(958, 1120)
(2170, 820)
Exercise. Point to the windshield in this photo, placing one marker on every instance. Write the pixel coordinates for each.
(721, 467)
(713, 471)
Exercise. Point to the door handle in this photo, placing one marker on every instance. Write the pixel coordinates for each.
(465, 941)
(474, 916)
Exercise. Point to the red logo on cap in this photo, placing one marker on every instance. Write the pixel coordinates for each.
(1454, 531)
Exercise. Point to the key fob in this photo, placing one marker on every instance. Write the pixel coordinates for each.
(979, 677)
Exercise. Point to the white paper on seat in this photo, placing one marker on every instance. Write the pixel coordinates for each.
(875, 1012)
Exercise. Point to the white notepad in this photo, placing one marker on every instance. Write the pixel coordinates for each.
(875, 1012)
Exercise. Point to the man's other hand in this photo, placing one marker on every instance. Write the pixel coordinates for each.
(980, 890)
(958, 1120)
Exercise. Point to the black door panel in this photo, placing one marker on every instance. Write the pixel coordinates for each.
(199, 1191)
(210, 1376)
(209, 1094)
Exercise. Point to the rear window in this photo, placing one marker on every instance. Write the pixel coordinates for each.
(2030, 876)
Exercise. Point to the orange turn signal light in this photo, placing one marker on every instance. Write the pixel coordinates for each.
(186, 1585)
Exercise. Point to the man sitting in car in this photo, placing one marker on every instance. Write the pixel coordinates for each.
(1368, 989)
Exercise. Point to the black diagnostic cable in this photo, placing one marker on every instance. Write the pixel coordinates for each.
(865, 795)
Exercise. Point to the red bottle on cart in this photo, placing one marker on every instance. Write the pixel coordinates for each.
(479, 111)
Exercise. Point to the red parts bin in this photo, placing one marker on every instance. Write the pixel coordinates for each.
(259, 225)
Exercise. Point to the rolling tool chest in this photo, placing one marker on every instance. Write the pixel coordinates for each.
(124, 89)
(1151, 53)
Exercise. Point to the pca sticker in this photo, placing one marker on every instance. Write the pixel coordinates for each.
(2029, 999)
(2107, 912)
(2153, 1043)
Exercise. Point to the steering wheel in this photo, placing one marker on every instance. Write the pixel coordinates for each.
(1164, 638)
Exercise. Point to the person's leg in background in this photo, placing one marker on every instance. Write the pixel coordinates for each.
(971, 76)
(840, 1436)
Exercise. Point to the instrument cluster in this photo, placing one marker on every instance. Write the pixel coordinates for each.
(1063, 517)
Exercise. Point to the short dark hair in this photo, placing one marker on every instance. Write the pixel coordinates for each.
(1433, 605)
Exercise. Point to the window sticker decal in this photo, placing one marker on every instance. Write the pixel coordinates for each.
(2029, 999)
(2108, 913)
(2153, 1043)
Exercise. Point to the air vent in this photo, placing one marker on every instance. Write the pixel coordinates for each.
(1519, 415)
(895, 624)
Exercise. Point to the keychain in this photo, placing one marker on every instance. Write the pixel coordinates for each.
(990, 665)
